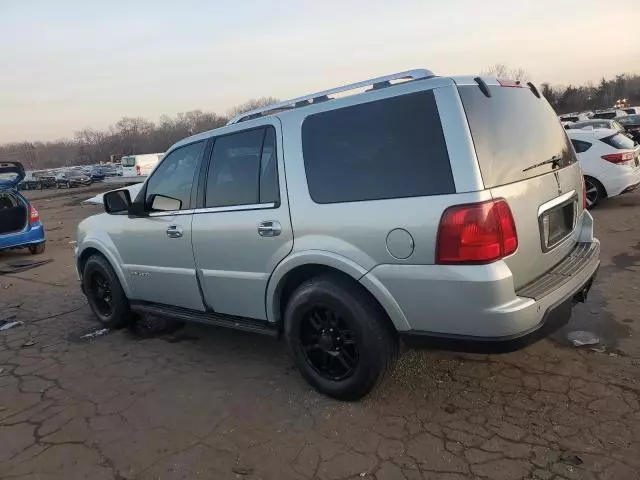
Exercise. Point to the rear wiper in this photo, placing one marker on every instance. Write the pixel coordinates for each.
(555, 160)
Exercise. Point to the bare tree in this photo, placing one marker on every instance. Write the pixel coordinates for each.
(251, 105)
(500, 70)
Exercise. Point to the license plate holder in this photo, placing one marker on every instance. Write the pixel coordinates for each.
(557, 223)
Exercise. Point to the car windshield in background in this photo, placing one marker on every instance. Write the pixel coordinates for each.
(619, 141)
(513, 130)
(630, 120)
(605, 115)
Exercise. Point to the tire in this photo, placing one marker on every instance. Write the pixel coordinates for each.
(119, 313)
(595, 192)
(368, 337)
(37, 249)
(68, 185)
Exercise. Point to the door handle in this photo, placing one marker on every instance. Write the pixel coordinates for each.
(269, 228)
(174, 231)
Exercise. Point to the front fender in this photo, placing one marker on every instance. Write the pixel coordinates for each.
(100, 241)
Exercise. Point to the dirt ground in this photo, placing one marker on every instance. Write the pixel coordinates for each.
(207, 403)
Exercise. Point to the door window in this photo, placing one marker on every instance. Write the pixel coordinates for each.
(173, 178)
(243, 169)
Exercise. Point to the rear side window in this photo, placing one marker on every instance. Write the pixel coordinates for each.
(514, 133)
(580, 146)
(619, 141)
(390, 148)
(605, 115)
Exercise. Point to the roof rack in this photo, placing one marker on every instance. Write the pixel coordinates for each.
(375, 83)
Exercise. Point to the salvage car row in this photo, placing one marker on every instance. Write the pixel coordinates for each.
(68, 177)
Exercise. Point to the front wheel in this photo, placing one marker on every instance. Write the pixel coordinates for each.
(594, 191)
(339, 337)
(105, 294)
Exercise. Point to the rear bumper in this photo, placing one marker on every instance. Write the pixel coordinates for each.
(620, 179)
(463, 304)
(32, 236)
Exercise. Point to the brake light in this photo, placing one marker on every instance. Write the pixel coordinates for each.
(34, 215)
(505, 82)
(137, 169)
(584, 195)
(618, 157)
(476, 233)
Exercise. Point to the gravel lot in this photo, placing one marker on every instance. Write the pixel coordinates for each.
(208, 403)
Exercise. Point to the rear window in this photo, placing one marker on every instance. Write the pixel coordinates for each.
(128, 161)
(390, 148)
(570, 119)
(606, 115)
(514, 132)
(619, 141)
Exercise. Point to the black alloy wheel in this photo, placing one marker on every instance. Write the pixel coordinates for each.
(328, 343)
(100, 290)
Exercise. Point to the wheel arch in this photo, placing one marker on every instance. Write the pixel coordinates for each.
(301, 266)
(95, 248)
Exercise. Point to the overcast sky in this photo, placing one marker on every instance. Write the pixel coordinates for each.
(67, 64)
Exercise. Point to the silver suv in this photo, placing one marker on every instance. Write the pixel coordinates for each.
(442, 211)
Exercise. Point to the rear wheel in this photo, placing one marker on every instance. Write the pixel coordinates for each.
(37, 249)
(104, 293)
(339, 338)
(594, 191)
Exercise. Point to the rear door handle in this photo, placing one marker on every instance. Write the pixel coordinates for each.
(174, 231)
(269, 228)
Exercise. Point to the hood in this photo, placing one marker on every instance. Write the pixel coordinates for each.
(11, 174)
(97, 200)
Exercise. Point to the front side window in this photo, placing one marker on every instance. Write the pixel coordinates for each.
(391, 148)
(243, 169)
(173, 178)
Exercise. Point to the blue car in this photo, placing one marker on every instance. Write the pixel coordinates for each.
(20, 225)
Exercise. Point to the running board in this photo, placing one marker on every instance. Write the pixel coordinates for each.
(208, 318)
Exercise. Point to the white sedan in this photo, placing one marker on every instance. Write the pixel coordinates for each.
(610, 162)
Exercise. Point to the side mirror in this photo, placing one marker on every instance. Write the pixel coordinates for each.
(117, 201)
(160, 203)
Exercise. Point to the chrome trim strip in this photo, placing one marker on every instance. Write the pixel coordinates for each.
(555, 202)
(230, 208)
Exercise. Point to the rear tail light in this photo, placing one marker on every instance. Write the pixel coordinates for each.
(584, 195)
(619, 157)
(34, 215)
(137, 169)
(476, 233)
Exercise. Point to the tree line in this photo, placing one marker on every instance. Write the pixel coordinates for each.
(130, 135)
(133, 135)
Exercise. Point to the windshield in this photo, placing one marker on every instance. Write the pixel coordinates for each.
(128, 161)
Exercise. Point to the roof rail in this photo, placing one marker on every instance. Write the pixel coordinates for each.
(375, 83)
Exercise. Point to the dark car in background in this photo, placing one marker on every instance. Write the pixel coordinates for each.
(72, 178)
(631, 124)
(97, 174)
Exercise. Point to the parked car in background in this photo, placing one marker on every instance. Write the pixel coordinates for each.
(30, 183)
(609, 113)
(97, 173)
(20, 225)
(632, 110)
(72, 178)
(609, 160)
(47, 179)
(136, 165)
(598, 123)
(574, 117)
(631, 124)
(394, 224)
